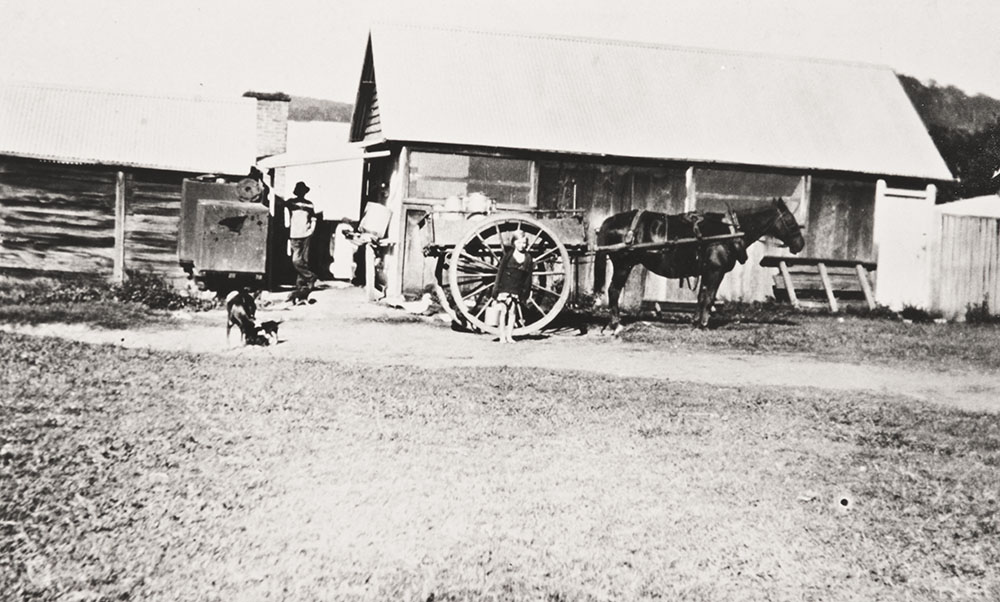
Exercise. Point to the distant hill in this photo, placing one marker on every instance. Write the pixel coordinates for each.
(303, 108)
(966, 130)
(950, 107)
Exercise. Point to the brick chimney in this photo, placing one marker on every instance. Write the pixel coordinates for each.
(272, 129)
(272, 122)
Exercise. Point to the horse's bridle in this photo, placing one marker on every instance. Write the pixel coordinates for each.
(781, 221)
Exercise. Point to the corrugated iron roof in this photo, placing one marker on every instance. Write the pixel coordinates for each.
(130, 130)
(980, 206)
(629, 99)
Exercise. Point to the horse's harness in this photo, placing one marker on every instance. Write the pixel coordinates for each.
(694, 218)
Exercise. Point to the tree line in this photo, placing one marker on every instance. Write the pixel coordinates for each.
(966, 130)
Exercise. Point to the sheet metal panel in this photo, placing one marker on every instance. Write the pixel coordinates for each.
(603, 97)
(130, 130)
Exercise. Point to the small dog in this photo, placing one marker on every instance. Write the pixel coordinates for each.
(241, 311)
(269, 331)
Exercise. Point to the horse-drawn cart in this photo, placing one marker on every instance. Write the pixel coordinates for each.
(469, 245)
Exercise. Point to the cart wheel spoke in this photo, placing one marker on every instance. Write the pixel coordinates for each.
(480, 277)
(482, 310)
(537, 306)
(547, 254)
(539, 287)
(478, 290)
(475, 261)
(488, 247)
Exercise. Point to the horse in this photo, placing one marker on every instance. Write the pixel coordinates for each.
(635, 238)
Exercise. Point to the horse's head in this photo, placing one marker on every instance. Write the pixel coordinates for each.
(786, 229)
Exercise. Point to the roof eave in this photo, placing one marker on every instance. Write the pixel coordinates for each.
(695, 161)
(227, 170)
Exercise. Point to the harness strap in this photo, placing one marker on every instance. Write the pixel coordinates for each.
(733, 222)
(694, 218)
(738, 244)
(632, 229)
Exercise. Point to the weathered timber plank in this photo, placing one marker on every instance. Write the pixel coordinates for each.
(57, 260)
(789, 285)
(866, 286)
(830, 297)
(55, 237)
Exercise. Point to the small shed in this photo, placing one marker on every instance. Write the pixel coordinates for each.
(965, 264)
(90, 180)
(554, 122)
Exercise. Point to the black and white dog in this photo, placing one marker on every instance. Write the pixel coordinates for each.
(241, 311)
(269, 330)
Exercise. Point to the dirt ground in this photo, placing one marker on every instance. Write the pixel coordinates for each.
(343, 326)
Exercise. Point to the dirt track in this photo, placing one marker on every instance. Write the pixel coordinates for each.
(344, 327)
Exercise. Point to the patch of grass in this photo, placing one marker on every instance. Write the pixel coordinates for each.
(153, 292)
(981, 313)
(919, 315)
(135, 303)
(845, 338)
(128, 474)
(880, 312)
(106, 314)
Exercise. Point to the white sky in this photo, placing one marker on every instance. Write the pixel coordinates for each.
(315, 47)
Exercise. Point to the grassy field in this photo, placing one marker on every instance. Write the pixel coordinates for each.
(140, 475)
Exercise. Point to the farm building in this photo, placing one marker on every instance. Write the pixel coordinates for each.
(91, 181)
(546, 122)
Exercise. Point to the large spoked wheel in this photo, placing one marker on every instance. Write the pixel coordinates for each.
(474, 263)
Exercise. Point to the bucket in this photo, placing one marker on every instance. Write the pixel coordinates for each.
(492, 315)
(375, 221)
(477, 202)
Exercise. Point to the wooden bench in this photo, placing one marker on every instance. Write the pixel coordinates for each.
(803, 280)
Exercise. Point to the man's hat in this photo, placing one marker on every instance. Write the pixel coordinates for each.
(300, 189)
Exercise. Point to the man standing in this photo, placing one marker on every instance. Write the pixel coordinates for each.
(302, 218)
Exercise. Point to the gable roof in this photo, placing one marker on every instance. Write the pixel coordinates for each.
(81, 126)
(603, 97)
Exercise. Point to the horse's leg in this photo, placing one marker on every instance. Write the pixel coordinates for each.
(621, 270)
(600, 273)
(710, 282)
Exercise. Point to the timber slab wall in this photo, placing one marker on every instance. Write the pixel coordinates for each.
(59, 219)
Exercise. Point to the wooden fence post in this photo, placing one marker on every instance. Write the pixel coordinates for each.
(118, 273)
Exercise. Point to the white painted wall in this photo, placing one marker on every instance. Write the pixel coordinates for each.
(903, 242)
